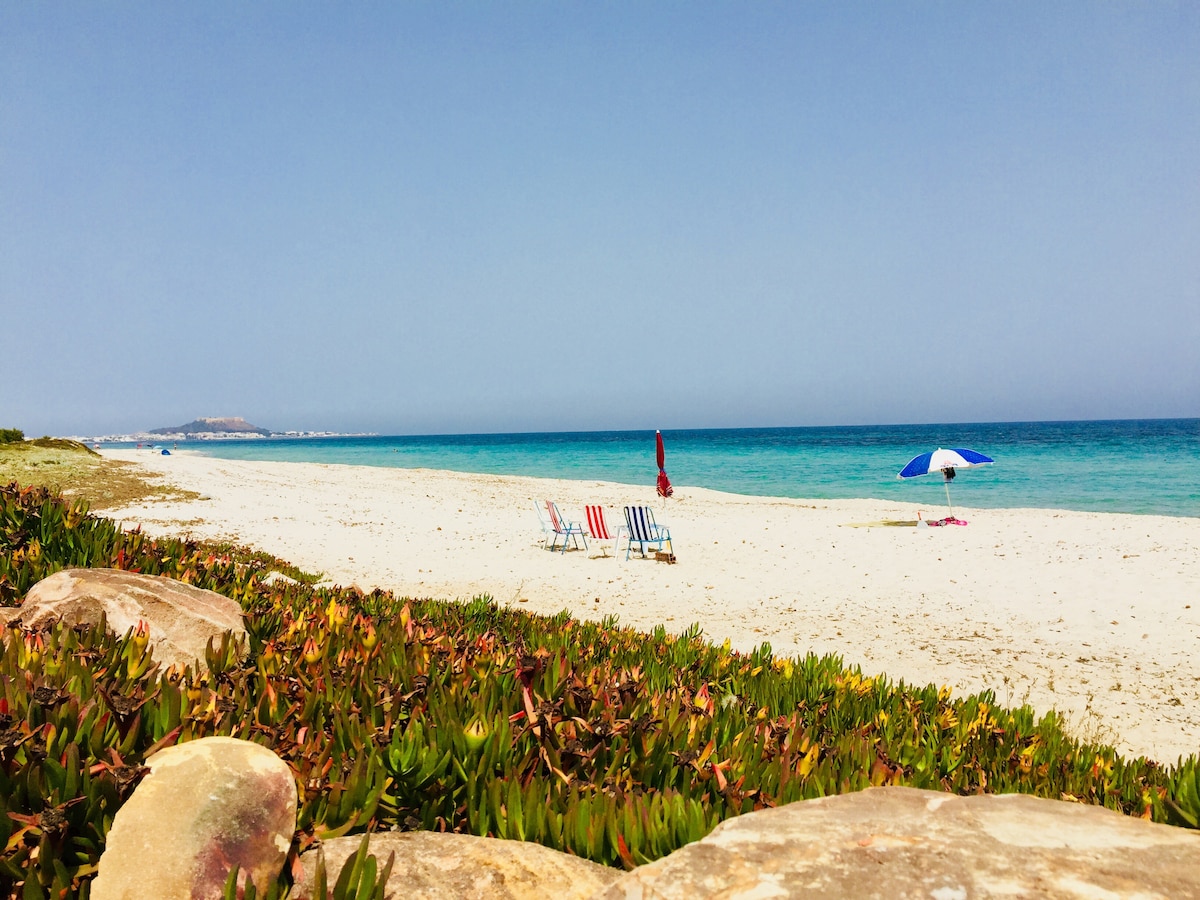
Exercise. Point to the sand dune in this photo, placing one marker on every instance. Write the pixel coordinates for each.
(1095, 615)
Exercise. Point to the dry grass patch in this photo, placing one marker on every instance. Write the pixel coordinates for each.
(78, 471)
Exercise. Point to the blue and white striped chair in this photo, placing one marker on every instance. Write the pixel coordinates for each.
(644, 530)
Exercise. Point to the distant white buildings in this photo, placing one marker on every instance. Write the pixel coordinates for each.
(145, 437)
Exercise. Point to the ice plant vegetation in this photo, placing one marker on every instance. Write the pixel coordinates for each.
(593, 739)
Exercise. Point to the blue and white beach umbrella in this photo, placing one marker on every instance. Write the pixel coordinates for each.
(946, 462)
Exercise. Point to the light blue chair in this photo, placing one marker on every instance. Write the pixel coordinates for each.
(564, 529)
(644, 530)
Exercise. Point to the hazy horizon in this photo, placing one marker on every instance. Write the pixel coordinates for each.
(434, 218)
(282, 431)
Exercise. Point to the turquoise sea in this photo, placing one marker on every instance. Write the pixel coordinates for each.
(1147, 466)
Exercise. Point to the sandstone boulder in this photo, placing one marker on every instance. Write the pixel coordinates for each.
(431, 866)
(901, 842)
(205, 807)
(182, 618)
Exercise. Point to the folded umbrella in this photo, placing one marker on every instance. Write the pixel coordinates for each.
(664, 483)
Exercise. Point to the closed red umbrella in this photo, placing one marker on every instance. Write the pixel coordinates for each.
(664, 483)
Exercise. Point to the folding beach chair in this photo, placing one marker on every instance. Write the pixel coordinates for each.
(598, 528)
(547, 528)
(564, 529)
(644, 530)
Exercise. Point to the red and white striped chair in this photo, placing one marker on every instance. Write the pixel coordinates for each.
(598, 528)
(564, 529)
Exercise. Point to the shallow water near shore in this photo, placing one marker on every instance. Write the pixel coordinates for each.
(1149, 466)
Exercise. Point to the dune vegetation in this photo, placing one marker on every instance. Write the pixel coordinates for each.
(76, 470)
(400, 713)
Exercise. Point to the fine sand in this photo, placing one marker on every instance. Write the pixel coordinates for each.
(1095, 615)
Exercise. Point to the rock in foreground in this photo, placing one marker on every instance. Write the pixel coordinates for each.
(901, 842)
(182, 618)
(431, 866)
(205, 807)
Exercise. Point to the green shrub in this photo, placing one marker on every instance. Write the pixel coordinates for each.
(11, 435)
(615, 745)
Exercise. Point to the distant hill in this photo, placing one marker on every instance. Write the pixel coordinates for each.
(228, 425)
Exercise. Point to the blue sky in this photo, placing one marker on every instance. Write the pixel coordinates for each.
(465, 217)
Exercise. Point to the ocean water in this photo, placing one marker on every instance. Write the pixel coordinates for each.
(1147, 466)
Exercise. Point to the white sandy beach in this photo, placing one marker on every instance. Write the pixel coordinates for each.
(1095, 615)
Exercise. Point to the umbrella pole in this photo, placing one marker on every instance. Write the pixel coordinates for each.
(946, 485)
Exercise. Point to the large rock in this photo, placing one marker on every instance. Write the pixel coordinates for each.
(205, 807)
(182, 618)
(431, 866)
(901, 842)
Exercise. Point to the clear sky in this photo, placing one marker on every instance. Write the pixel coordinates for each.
(471, 217)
